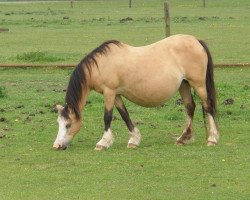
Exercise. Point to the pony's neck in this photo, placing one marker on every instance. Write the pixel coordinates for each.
(83, 101)
(85, 89)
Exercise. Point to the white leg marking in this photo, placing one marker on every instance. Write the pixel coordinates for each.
(135, 138)
(213, 133)
(106, 141)
(186, 136)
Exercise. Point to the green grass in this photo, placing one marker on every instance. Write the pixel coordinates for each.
(69, 33)
(31, 169)
(38, 56)
(3, 92)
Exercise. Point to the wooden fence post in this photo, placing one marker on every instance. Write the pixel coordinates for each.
(71, 3)
(130, 3)
(167, 18)
(204, 3)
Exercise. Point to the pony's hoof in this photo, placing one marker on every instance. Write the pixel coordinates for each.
(131, 146)
(211, 143)
(99, 147)
(180, 142)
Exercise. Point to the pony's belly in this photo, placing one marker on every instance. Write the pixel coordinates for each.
(153, 91)
(150, 98)
(146, 102)
(151, 83)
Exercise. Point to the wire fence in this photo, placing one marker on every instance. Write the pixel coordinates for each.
(73, 65)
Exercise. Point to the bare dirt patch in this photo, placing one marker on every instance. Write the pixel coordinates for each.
(4, 30)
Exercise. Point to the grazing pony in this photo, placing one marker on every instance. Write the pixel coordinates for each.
(148, 76)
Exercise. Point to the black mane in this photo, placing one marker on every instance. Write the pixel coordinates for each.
(78, 78)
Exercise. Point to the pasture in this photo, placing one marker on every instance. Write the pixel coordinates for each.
(54, 32)
(158, 169)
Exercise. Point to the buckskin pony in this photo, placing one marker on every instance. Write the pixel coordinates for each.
(148, 76)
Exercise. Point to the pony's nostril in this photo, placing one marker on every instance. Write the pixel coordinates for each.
(64, 147)
(60, 147)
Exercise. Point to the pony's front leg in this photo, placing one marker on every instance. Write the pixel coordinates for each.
(134, 133)
(107, 138)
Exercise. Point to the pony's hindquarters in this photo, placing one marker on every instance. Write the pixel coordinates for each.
(197, 64)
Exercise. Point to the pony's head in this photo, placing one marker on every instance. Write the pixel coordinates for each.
(69, 125)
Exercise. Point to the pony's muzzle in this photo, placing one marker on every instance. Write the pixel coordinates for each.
(59, 147)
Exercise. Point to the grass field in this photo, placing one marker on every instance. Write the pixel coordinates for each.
(54, 32)
(31, 169)
(158, 169)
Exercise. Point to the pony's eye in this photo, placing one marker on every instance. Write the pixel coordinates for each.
(68, 126)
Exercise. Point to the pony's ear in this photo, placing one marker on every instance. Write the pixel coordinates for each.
(59, 109)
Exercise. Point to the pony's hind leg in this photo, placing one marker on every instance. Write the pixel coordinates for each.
(134, 134)
(107, 138)
(213, 133)
(185, 92)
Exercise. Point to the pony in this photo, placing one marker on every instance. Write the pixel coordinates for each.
(148, 76)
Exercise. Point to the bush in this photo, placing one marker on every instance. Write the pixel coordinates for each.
(3, 92)
(38, 56)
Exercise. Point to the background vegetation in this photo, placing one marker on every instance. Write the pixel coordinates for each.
(66, 34)
(158, 169)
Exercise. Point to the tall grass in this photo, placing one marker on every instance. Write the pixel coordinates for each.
(38, 56)
(3, 92)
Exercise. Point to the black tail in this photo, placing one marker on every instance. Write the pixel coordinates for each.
(210, 86)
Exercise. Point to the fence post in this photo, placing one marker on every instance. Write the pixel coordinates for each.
(130, 3)
(204, 3)
(167, 18)
(71, 3)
